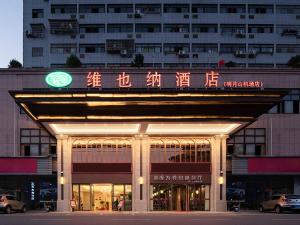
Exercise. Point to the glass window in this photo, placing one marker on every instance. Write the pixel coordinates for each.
(251, 141)
(121, 8)
(35, 142)
(250, 149)
(37, 13)
(85, 198)
(288, 106)
(176, 8)
(205, 8)
(34, 150)
(85, 8)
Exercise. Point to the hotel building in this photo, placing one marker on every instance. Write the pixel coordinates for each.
(152, 140)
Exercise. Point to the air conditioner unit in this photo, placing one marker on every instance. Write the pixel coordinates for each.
(240, 53)
(124, 53)
(138, 13)
(240, 34)
(183, 54)
(252, 53)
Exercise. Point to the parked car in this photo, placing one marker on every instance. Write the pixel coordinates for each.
(9, 203)
(280, 203)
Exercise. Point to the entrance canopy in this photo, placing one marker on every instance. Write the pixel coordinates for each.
(88, 112)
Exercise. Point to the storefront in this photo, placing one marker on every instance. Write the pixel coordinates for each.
(102, 197)
(148, 149)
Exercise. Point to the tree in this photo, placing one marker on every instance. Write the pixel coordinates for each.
(138, 61)
(73, 62)
(14, 64)
(230, 64)
(294, 62)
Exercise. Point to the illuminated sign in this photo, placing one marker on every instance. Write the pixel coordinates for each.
(32, 191)
(182, 80)
(58, 79)
(211, 79)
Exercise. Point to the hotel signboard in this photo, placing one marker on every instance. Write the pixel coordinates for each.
(180, 178)
(151, 80)
(183, 80)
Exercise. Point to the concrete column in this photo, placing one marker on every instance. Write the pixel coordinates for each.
(218, 189)
(140, 173)
(64, 173)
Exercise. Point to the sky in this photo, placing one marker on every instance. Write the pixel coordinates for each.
(11, 33)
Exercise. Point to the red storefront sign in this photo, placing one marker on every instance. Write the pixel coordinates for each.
(18, 165)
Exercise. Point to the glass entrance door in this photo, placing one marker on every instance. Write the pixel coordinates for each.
(102, 197)
(179, 197)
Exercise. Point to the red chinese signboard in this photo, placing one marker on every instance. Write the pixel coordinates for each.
(182, 79)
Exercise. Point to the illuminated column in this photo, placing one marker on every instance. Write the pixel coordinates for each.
(140, 173)
(64, 173)
(218, 175)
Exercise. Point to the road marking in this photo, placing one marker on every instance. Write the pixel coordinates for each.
(125, 219)
(220, 219)
(287, 219)
(52, 219)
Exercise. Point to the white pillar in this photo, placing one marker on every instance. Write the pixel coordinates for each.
(218, 173)
(64, 173)
(140, 173)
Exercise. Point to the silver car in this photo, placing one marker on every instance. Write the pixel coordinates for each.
(280, 203)
(9, 203)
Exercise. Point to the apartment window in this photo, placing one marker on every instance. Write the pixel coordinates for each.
(288, 48)
(176, 48)
(92, 28)
(260, 9)
(37, 13)
(230, 29)
(232, 48)
(148, 8)
(228, 8)
(119, 28)
(205, 48)
(63, 9)
(177, 28)
(289, 105)
(148, 48)
(262, 48)
(249, 141)
(288, 9)
(260, 28)
(178, 8)
(37, 52)
(288, 30)
(204, 8)
(36, 142)
(63, 49)
(92, 48)
(122, 8)
(91, 8)
(147, 28)
(204, 28)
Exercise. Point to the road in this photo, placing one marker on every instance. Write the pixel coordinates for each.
(91, 218)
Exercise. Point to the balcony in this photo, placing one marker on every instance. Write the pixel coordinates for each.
(64, 27)
(37, 31)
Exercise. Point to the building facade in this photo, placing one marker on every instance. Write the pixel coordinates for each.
(119, 139)
(169, 33)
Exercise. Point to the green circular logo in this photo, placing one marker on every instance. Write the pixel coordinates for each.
(58, 79)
